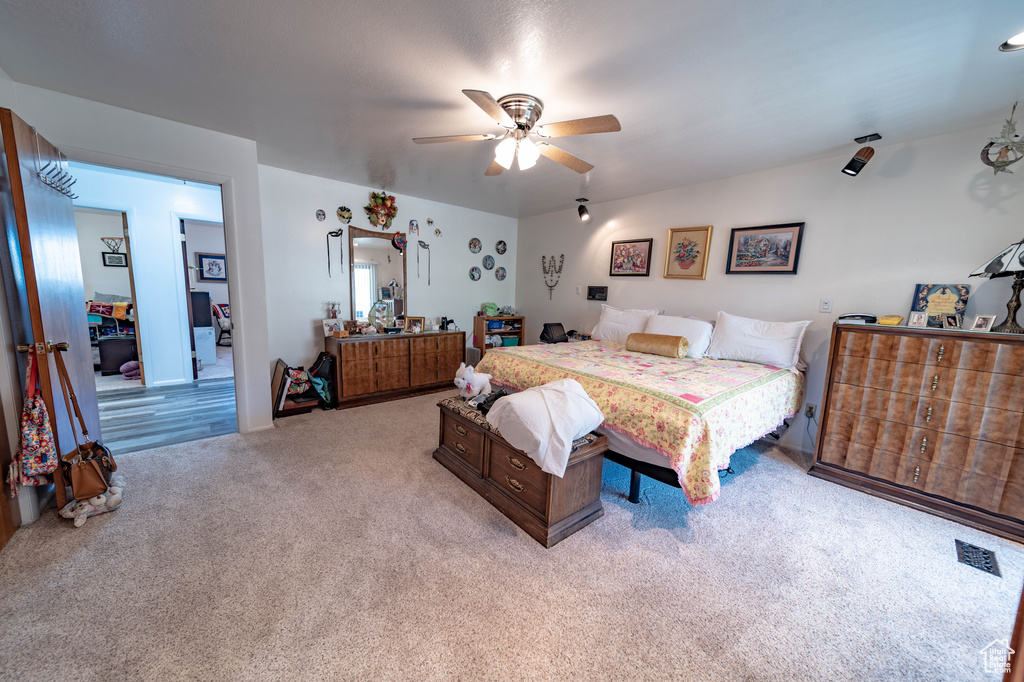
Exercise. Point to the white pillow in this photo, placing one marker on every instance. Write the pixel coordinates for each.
(767, 343)
(616, 325)
(697, 332)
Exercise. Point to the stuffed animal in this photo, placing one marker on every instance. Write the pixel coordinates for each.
(470, 383)
(80, 510)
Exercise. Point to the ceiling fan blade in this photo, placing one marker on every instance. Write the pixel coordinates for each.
(494, 169)
(453, 138)
(491, 107)
(580, 126)
(565, 158)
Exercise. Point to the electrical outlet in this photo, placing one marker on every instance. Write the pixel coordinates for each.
(579, 289)
(810, 410)
(825, 306)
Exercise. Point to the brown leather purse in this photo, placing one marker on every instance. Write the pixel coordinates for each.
(88, 467)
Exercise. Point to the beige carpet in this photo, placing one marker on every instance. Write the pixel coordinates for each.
(334, 547)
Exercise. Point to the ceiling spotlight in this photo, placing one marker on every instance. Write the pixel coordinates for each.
(584, 213)
(1014, 43)
(859, 160)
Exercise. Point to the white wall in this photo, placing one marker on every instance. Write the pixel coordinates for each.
(154, 206)
(98, 133)
(7, 91)
(97, 277)
(923, 212)
(204, 237)
(298, 287)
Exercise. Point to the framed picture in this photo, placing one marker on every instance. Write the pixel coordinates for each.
(918, 319)
(939, 300)
(332, 325)
(631, 258)
(687, 256)
(415, 325)
(115, 260)
(597, 293)
(212, 267)
(768, 250)
(952, 321)
(983, 323)
(385, 293)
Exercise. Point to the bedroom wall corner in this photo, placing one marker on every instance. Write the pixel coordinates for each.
(923, 211)
(7, 92)
(295, 246)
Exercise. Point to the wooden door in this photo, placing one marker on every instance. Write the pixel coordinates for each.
(43, 276)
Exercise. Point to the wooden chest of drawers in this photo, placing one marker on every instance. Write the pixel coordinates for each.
(929, 418)
(548, 508)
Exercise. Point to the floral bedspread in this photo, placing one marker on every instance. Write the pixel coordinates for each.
(695, 412)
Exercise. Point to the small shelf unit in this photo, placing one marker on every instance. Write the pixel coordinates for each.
(512, 326)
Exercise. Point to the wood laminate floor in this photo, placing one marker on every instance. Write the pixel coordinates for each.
(142, 418)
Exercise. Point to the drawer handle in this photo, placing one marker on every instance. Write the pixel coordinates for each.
(928, 416)
(917, 473)
(515, 485)
(935, 382)
(924, 444)
(462, 431)
(460, 447)
(942, 350)
(516, 464)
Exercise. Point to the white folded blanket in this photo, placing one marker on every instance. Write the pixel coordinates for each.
(543, 421)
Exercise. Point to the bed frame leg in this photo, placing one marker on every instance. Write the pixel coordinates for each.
(634, 487)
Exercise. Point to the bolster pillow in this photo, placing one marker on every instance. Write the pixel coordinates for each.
(658, 344)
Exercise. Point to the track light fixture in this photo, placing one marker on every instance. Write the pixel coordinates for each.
(863, 155)
(584, 213)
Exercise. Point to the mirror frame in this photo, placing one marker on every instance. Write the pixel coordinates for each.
(358, 233)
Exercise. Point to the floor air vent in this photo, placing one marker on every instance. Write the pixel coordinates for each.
(980, 558)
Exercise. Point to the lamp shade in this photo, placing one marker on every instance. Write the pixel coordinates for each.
(1009, 262)
(505, 153)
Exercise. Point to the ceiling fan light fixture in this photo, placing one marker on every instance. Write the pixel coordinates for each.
(1014, 43)
(528, 154)
(505, 153)
(582, 210)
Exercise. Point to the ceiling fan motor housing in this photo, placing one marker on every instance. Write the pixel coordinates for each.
(525, 110)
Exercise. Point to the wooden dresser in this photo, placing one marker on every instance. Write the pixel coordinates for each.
(385, 367)
(547, 507)
(928, 418)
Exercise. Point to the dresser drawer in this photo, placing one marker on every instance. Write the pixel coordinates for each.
(464, 439)
(518, 475)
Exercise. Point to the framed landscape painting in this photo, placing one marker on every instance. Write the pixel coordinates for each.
(687, 254)
(632, 257)
(768, 250)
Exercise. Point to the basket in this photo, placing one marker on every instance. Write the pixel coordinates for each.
(510, 341)
(494, 324)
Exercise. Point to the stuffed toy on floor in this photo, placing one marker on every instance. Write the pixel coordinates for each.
(80, 510)
(470, 383)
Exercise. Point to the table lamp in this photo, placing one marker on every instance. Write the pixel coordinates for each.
(1010, 261)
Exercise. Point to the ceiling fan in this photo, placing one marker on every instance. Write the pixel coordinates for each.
(518, 115)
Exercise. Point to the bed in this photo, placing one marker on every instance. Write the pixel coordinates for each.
(676, 420)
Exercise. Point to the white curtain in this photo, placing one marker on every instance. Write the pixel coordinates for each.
(366, 286)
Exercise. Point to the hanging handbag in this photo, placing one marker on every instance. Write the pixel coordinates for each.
(37, 451)
(88, 467)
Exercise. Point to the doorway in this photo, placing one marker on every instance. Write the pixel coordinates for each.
(164, 373)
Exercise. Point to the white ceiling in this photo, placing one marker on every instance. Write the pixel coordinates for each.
(703, 89)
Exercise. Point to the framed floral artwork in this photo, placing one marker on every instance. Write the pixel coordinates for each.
(211, 267)
(768, 250)
(687, 255)
(631, 258)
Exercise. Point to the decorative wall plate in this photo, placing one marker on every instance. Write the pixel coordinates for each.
(475, 245)
(500, 274)
(321, 215)
(474, 273)
(501, 247)
(488, 262)
(344, 214)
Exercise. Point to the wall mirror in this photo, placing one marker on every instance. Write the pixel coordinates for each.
(376, 278)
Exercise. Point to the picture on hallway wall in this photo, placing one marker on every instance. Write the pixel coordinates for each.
(212, 267)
